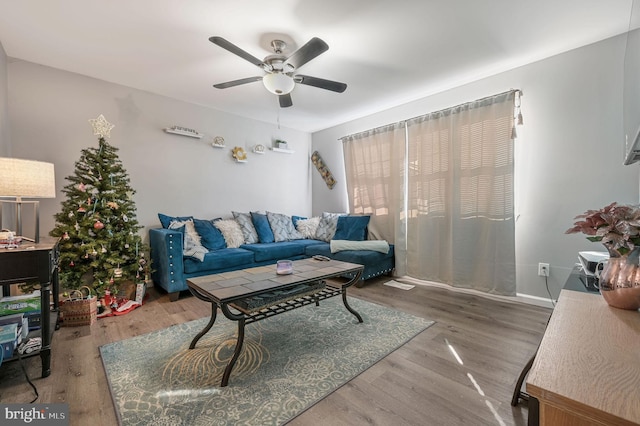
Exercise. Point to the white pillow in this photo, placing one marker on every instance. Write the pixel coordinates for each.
(231, 232)
(308, 227)
(191, 246)
(375, 245)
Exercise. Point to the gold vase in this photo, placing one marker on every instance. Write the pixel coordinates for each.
(620, 280)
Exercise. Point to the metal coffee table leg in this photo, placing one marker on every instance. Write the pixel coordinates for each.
(236, 353)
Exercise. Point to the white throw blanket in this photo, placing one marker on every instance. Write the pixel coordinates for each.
(376, 245)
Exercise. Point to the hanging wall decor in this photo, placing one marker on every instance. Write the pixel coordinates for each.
(218, 142)
(239, 154)
(323, 170)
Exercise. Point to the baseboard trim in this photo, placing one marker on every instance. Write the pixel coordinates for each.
(518, 298)
(535, 300)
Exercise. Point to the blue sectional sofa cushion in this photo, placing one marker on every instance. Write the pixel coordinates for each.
(375, 263)
(219, 260)
(352, 228)
(261, 223)
(282, 250)
(165, 220)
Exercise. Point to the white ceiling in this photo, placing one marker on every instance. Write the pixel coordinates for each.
(389, 52)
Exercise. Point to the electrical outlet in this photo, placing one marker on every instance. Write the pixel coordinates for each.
(543, 269)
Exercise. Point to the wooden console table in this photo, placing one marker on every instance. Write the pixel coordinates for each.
(587, 368)
(35, 262)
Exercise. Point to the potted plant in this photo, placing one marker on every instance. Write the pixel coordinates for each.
(617, 227)
(281, 144)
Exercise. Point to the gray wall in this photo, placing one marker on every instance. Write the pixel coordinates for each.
(49, 111)
(4, 106)
(568, 158)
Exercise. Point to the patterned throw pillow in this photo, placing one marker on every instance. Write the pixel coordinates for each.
(231, 232)
(308, 227)
(282, 227)
(327, 226)
(191, 243)
(246, 225)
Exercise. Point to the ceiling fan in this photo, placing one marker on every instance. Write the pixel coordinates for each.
(280, 78)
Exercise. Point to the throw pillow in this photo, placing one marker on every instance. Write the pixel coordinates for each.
(191, 246)
(352, 228)
(230, 231)
(308, 227)
(246, 225)
(166, 220)
(261, 223)
(282, 227)
(295, 219)
(210, 236)
(327, 226)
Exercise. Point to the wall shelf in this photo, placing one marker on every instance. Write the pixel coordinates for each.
(191, 134)
(285, 151)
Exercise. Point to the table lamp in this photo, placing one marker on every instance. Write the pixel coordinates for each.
(28, 179)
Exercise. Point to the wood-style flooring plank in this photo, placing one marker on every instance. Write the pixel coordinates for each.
(421, 383)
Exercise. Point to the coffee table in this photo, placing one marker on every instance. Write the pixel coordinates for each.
(254, 294)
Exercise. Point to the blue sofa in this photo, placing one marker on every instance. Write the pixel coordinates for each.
(171, 268)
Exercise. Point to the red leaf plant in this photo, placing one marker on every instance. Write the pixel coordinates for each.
(616, 226)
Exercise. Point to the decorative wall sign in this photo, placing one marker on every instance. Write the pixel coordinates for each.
(323, 170)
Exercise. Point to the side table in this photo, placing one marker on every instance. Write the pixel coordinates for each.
(36, 262)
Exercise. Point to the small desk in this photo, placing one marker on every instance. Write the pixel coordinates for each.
(35, 262)
(587, 368)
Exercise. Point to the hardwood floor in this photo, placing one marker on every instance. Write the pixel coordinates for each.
(421, 383)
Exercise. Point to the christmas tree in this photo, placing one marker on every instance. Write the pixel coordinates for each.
(98, 230)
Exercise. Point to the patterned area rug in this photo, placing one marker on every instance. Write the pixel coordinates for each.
(288, 363)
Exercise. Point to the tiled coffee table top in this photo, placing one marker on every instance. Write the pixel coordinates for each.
(233, 285)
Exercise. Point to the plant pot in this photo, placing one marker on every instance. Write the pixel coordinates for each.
(620, 280)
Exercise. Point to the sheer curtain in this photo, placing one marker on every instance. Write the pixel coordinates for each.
(375, 175)
(460, 225)
(440, 187)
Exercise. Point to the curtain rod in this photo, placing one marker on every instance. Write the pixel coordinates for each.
(402, 122)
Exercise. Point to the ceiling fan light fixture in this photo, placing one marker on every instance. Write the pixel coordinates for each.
(278, 84)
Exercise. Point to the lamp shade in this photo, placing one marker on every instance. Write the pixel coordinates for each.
(278, 84)
(26, 178)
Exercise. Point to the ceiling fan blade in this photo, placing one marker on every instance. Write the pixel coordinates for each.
(236, 50)
(285, 100)
(313, 48)
(236, 82)
(334, 86)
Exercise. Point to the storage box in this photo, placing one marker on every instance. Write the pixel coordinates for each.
(20, 304)
(8, 339)
(21, 319)
(33, 318)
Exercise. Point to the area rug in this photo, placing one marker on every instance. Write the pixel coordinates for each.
(288, 363)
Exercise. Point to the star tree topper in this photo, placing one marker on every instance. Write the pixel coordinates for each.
(101, 127)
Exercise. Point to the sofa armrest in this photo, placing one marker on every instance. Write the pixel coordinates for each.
(167, 260)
